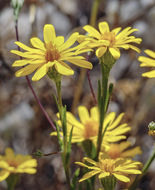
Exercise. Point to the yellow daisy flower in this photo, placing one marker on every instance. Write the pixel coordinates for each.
(119, 168)
(119, 151)
(11, 163)
(88, 126)
(104, 39)
(52, 52)
(148, 62)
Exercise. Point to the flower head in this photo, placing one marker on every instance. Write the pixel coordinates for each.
(53, 52)
(119, 168)
(104, 39)
(88, 126)
(119, 151)
(11, 163)
(148, 62)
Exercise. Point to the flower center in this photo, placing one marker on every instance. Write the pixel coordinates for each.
(13, 163)
(110, 37)
(91, 129)
(51, 52)
(114, 151)
(107, 165)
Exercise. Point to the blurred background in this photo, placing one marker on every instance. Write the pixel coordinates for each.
(22, 124)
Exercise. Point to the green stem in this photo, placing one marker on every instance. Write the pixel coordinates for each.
(102, 105)
(144, 170)
(94, 12)
(12, 181)
(62, 112)
(58, 86)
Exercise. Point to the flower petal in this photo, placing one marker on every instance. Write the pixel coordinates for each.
(37, 43)
(49, 33)
(94, 113)
(63, 68)
(115, 52)
(81, 63)
(41, 71)
(103, 27)
(4, 174)
(121, 177)
(100, 51)
(150, 53)
(83, 114)
(71, 40)
(26, 70)
(92, 31)
(88, 175)
(104, 174)
(150, 74)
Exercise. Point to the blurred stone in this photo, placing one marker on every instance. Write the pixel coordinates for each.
(128, 10)
(17, 117)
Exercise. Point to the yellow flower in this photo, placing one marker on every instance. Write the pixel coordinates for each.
(119, 168)
(119, 151)
(87, 127)
(53, 52)
(11, 163)
(104, 39)
(148, 62)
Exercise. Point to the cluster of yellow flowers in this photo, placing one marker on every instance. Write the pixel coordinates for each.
(55, 53)
(115, 159)
(12, 164)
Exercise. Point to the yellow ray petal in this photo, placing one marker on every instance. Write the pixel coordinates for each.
(20, 63)
(81, 63)
(59, 41)
(102, 175)
(83, 114)
(121, 177)
(92, 31)
(49, 33)
(150, 74)
(26, 70)
(3, 175)
(150, 53)
(115, 52)
(73, 121)
(37, 43)
(94, 113)
(88, 175)
(63, 68)
(103, 27)
(116, 30)
(100, 51)
(41, 71)
(71, 40)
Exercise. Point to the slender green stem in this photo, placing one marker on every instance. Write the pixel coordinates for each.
(102, 105)
(144, 170)
(65, 154)
(94, 12)
(12, 181)
(148, 163)
(58, 86)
